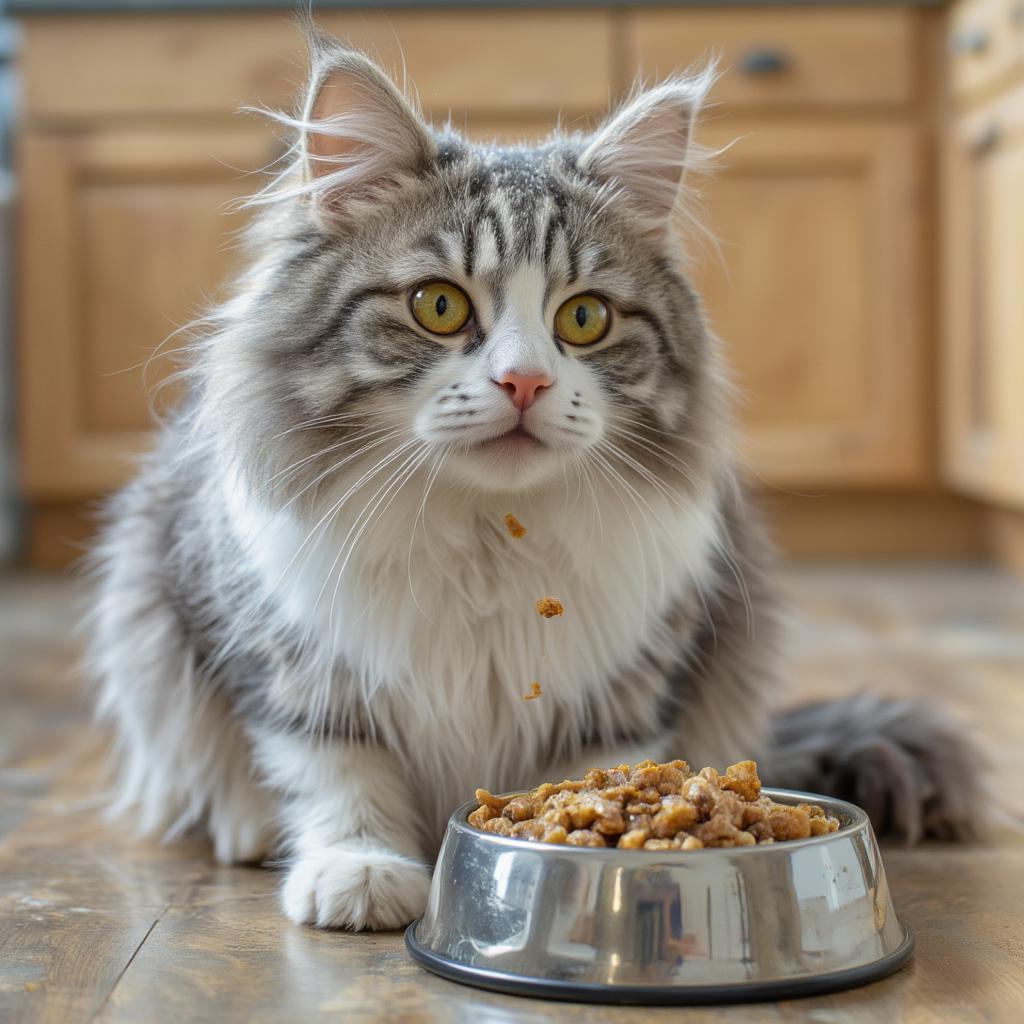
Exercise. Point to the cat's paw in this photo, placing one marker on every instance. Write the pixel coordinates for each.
(358, 889)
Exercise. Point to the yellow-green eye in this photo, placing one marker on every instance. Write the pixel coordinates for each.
(440, 307)
(582, 320)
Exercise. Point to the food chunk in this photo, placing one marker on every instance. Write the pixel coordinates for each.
(514, 527)
(648, 806)
(549, 607)
(535, 692)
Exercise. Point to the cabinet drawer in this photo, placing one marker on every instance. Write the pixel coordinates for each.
(785, 57)
(818, 297)
(986, 43)
(498, 62)
(983, 300)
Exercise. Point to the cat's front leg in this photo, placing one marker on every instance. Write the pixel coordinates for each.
(352, 831)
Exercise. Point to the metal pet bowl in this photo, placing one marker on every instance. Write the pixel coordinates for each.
(635, 926)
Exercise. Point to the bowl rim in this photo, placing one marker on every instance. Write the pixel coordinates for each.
(858, 822)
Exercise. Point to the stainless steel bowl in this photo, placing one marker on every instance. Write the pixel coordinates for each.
(636, 926)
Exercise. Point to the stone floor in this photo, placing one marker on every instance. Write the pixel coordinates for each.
(95, 926)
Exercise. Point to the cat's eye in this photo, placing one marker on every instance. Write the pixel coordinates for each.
(440, 307)
(582, 320)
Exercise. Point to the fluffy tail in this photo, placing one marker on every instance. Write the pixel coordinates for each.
(908, 763)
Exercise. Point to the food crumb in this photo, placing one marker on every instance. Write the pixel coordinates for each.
(549, 607)
(515, 527)
(535, 692)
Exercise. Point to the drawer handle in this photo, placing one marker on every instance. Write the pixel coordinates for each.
(987, 140)
(764, 61)
(970, 41)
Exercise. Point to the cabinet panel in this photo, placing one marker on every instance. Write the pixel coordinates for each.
(785, 57)
(984, 300)
(816, 293)
(212, 64)
(126, 236)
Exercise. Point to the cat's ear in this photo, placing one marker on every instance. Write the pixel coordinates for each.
(360, 135)
(645, 149)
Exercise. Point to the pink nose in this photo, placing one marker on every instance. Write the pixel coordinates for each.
(522, 388)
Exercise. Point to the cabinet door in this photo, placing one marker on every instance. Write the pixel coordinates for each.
(124, 238)
(984, 301)
(816, 292)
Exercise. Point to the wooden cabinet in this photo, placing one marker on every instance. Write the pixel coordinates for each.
(812, 58)
(820, 206)
(126, 235)
(984, 300)
(986, 46)
(131, 151)
(816, 291)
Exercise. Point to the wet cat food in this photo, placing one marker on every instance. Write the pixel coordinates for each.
(652, 807)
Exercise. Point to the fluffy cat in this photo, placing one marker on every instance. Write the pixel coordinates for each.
(314, 633)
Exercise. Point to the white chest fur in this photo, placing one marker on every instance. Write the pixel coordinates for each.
(433, 615)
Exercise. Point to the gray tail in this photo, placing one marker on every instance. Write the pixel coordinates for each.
(909, 763)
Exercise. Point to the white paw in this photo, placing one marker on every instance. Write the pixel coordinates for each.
(339, 887)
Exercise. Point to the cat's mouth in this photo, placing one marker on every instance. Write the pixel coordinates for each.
(518, 438)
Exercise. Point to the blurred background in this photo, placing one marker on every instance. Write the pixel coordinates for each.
(869, 287)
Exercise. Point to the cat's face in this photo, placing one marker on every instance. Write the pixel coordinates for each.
(497, 317)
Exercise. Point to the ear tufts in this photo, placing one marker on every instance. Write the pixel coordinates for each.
(646, 148)
(358, 135)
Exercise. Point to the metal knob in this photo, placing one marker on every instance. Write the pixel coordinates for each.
(987, 140)
(970, 41)
(764, 61)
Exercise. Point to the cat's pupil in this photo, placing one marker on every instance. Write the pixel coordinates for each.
(581, 315)
(441, 305)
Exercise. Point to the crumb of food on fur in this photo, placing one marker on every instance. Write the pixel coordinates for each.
(535, 692)
(651, 807)
(515, 527)
(549, 607)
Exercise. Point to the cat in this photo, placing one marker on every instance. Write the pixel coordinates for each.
(313, 633)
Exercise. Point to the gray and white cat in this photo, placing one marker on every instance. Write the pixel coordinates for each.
(314, 632)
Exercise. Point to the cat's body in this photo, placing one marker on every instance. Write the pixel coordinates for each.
(315, 632)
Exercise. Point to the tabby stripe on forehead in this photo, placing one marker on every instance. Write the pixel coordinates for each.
(491, 217)
(574, 259)
(337, 322)
(555, 221)
(468, 249)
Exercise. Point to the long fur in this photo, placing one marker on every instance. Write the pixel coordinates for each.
(313, 633)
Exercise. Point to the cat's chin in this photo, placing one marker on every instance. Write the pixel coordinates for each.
(513, 462)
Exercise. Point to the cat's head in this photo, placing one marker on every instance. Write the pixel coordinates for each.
(494, 315)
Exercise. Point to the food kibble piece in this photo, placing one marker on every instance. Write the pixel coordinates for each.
(742, 778)
(535, 692)
(586, 837)
(661, 807)
(515, 527)
(549, 607)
